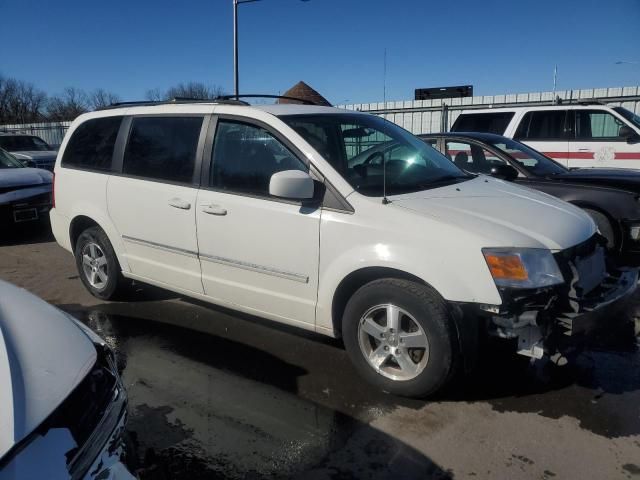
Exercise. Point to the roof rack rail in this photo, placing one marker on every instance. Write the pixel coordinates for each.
(590, 102)
(173, 101)
(283, 97)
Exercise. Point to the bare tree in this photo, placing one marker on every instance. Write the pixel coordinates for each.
(101, 98)
(20, 102)
(196, 90)
(68, 105)
(155, 95)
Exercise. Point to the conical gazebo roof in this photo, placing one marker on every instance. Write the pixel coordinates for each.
(304, 92)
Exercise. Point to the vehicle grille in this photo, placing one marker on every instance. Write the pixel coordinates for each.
(568, 261)
(89, 407)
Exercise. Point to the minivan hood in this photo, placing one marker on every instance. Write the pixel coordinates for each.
(23, 177)
(503, 213)
(43, 357)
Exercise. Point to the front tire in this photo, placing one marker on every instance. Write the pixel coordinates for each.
(400, 337)
(98, 265)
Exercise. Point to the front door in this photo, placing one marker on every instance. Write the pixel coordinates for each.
(598, 141)
(258, 252)
(153, 202)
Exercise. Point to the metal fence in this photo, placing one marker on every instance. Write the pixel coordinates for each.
(418, 116)
(50, 132)
(429, 116)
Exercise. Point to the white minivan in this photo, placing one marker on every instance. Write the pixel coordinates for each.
(290, 213)
(587, 134)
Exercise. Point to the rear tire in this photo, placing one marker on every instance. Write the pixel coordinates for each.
(605, 227)
(98, 265)
(382, 354)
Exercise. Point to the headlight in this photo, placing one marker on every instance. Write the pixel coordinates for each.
(522, 267)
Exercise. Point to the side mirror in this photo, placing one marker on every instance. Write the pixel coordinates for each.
(627, 133)
(291, 184)
(504, 172)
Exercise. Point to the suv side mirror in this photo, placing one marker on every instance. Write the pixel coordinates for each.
(504, 172)
(627, 133)
(291, 184)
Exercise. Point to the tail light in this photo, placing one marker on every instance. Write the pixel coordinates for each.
(53, 191)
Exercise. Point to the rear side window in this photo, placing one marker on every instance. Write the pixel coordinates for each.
(483, 122)
(91, 144)
(543, 125)
(163, 148)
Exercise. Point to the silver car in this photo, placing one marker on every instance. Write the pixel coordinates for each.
(29, 149)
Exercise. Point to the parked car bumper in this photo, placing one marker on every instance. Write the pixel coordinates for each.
(25, 205)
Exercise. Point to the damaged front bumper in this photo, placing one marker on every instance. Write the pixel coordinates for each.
(550, 321)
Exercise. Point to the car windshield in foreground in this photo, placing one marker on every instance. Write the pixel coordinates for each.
(23, 143)
(530, 159)
(8, 161)
(629, 115)
(365, 148)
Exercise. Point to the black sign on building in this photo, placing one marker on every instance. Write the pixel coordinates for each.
(444, 92)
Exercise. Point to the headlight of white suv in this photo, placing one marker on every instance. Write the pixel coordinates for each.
(522, 267)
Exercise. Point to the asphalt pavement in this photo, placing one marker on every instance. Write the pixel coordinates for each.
(215, 394)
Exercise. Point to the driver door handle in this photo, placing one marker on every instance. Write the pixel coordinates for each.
(179, 203)
(214, 210)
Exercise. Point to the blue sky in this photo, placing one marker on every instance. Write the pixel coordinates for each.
(499, 46)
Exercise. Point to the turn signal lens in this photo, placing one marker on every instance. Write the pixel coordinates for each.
(522, 267)
(506, 266)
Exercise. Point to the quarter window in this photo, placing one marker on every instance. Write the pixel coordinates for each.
(596, 124)
(542, 125)
(163, 148)
(246, 156)
(91, 145)
(483, 122)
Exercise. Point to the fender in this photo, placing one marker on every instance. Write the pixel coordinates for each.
(451, 285)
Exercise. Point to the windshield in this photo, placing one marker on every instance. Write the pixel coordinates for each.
(629, 115)
(530, 159)
(9, 161)
(362, 148)
(23, 143)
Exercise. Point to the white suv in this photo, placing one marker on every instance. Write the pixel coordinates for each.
(298, 214)
(577, 135)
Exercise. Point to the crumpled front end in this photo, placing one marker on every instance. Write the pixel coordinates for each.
(549, 321)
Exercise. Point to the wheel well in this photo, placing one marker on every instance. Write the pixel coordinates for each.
(352, 282)
(615, 225)
(79, 225)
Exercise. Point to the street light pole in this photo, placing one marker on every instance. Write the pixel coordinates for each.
(236, 79)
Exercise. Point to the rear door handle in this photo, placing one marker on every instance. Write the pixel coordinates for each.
(584, 149)
(179, 203)
(214, 210)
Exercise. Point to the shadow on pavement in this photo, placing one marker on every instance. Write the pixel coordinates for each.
(26, 233)
(204, 406)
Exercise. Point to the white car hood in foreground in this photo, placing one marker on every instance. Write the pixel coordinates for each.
(43, 357)
(508, 215)
(20, 177)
